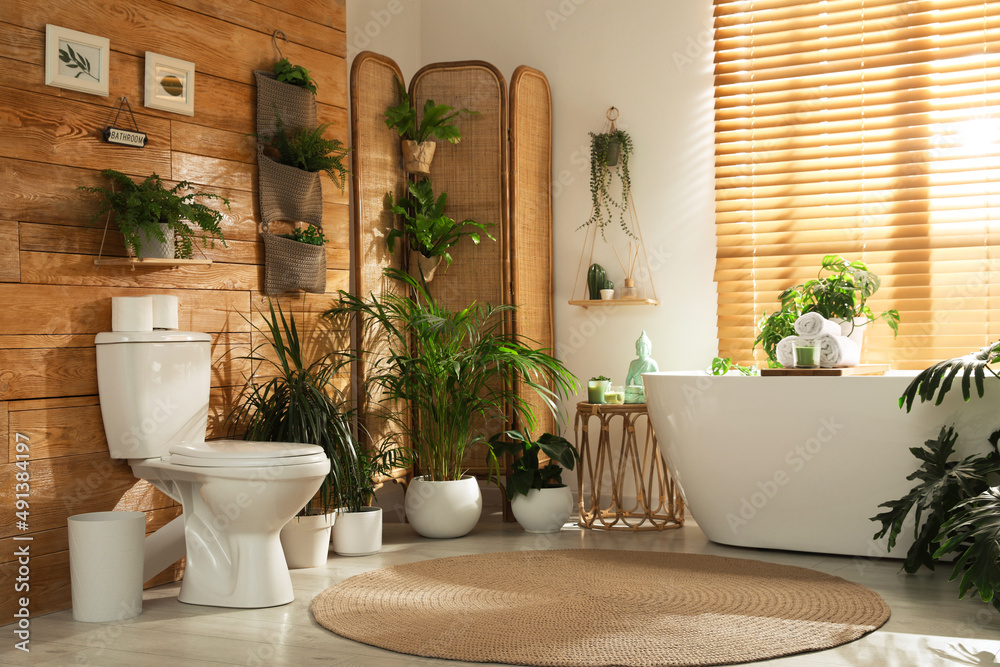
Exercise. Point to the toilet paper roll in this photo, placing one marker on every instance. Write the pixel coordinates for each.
(131, 313)
(164, 311)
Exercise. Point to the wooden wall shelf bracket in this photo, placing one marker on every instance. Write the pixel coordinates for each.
(150, 262)
(586, 303)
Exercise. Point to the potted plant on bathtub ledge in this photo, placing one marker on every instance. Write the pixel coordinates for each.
(541, 503)
(841, 296)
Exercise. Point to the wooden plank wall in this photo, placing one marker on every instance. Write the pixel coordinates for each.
(54, 300)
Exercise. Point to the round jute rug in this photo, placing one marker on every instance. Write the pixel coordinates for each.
(599, 607)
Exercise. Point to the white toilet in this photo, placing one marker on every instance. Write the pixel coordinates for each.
(236, 495)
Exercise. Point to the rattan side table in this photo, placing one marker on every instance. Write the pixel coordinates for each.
(658, 503)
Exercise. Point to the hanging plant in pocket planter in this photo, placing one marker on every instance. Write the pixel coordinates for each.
(290, 164)
(438, 120)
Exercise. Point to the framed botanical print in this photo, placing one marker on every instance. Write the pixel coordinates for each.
(77, 61)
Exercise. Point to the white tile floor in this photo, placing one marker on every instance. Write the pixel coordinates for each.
(929, 625)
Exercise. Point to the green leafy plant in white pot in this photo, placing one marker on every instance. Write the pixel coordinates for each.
(454, 369)
(541, 503)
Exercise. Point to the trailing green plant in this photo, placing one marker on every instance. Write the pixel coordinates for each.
(298, 403)
(454, 369)
(955, 511)
(310, 234)
(843, 294)
(526, 472)
(142, 206)
(721, 366)
(437, 120)
(309, 150)
(426, 228)
(294, 74)
(606, 205)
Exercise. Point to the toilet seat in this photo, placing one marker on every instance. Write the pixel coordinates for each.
(244, 454)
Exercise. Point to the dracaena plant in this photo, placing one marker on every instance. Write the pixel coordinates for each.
(437, 120)
(299, 402)
(425, 226)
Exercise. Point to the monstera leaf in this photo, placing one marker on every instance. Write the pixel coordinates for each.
(939, 378)
(977, 521)
(944, 483)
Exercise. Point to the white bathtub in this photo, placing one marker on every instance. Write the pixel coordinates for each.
(801, 463)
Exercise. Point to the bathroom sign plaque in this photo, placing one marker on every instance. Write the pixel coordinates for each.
(118, 135)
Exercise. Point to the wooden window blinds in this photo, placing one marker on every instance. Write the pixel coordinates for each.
(870, 129)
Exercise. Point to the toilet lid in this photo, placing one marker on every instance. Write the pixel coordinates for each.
(242, 453)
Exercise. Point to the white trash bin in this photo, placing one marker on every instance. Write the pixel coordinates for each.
(105, 565)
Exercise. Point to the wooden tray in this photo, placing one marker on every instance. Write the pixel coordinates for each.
(863, 369)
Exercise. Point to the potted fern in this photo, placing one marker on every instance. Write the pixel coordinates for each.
(437, 120)
(290, 162)
(156, 220)
(428, 232)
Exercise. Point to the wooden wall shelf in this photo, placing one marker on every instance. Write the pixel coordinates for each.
(586, 303)
(150, 262)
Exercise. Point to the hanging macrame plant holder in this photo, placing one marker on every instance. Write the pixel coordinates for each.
(637, 285)
(291, 265)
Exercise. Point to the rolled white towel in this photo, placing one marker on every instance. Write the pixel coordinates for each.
(814, 325)
(785, 350)
(838, 351)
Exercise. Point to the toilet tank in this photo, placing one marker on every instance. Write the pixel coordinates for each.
(154, 388)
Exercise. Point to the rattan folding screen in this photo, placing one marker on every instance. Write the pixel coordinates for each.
(500, 173)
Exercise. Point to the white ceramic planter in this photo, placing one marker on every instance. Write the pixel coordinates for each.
(306, 540)
(443, 509)
(427, 266)
(154, 247)
(856, 332)
(543, 510)
(358, 533)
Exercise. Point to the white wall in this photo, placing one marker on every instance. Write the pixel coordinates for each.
(652, 59)
(389, 27)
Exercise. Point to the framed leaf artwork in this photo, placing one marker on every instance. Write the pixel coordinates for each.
(169, 84)
(77, 61)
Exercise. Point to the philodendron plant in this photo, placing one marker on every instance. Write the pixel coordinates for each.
(956, 502)
(526, 472)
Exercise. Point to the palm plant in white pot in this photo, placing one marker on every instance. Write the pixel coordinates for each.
(455, 369)
(358, 528)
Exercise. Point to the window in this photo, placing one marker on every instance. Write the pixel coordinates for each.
(869, 129)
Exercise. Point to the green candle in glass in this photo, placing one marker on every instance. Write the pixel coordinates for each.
(807, 355)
